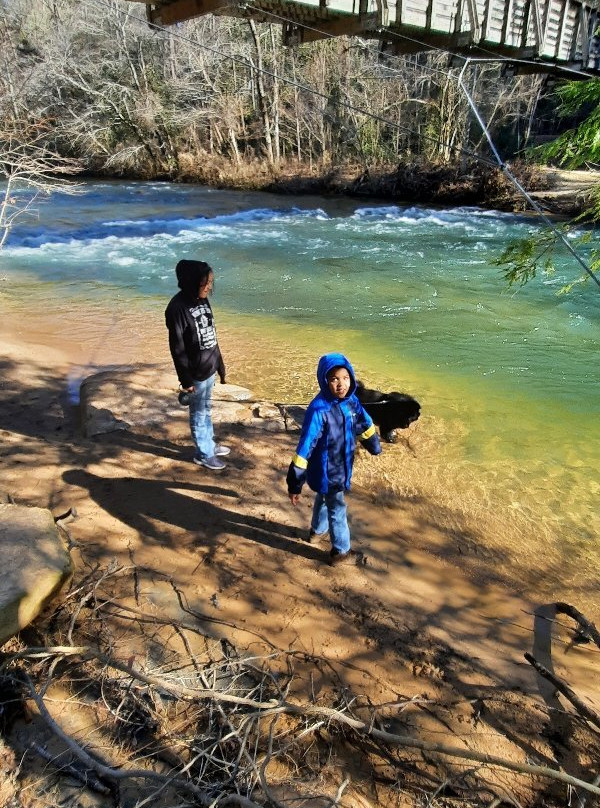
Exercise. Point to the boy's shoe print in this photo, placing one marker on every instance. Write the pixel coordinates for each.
(212, 463)
(221, 451)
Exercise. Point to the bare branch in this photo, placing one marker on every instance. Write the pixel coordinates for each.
(583, 709)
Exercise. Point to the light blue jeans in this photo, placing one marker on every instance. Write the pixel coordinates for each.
(329, 511)
(201, 419)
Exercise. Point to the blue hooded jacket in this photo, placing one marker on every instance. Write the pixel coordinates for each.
(325, 453)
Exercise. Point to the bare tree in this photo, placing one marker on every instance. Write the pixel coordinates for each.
(30, 164)
(124, 97)
(31, 170)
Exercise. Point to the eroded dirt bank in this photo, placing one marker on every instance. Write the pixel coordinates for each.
(558, 192)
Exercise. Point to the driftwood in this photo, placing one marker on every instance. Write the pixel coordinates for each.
(582, 708)
(272, 708)
(217, 718)
(112, 774)
(86, 777)
(587, 632)
(588, 629)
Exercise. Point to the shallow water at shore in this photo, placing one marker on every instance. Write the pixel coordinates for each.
(509, 437)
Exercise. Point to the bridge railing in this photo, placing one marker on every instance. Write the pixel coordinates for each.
(549, 32)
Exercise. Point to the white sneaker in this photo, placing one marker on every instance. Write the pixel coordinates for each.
(212, 463)
(221, 451)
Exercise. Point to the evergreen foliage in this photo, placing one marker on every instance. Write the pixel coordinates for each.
(523, 259)
(581, 144)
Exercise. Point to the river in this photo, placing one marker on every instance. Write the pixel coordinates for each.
(507, 378)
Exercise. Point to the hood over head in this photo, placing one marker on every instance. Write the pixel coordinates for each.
(328, 363)
(190, 274)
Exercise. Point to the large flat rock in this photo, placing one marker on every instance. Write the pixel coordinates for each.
(139, 398)
(119, 399)
(35, 564)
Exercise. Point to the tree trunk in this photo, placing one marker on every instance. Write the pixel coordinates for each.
(261, 95)
(275, 104)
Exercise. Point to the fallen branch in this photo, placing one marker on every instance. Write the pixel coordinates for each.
(109, 773)
(426, 746)
(271, 707)
(43, 653)
(179, 691)
(87, 777)
(588, 628)
(587, 712)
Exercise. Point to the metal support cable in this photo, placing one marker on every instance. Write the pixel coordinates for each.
(511, 177)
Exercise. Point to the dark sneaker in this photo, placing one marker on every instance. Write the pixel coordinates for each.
(212, 463)
(221, 451)
(312, 535)
(335, 557)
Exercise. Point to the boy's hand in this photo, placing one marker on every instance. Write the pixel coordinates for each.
(294, 498)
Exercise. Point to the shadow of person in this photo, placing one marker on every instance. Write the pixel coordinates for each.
(145, 505)
(139, 442)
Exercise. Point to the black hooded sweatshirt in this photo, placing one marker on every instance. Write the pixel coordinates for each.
(192, 335)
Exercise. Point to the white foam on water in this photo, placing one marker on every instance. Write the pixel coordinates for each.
(456, 217)
(122, 260)
(32, 237)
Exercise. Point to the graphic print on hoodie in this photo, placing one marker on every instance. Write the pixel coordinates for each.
(204, 323)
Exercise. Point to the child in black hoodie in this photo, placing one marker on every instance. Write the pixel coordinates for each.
(196, 355)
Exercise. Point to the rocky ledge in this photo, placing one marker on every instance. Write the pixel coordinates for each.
(146, 396)
(35, 564)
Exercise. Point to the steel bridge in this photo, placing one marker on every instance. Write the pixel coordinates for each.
(541, 36)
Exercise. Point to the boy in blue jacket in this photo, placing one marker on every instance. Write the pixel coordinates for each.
(325, 453)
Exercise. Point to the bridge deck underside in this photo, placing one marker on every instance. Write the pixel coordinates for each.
(549, 32)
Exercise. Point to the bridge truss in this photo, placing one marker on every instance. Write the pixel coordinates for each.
(548, 34)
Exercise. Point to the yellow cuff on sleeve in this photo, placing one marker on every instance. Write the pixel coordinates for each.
(299, 461)
(367, 434)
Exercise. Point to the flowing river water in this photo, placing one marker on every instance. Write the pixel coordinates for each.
(508, 379)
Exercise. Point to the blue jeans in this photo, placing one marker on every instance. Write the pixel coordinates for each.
(329, 511)
(200, 418)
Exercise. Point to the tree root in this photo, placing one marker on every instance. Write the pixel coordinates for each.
(216, 717)
(265, 709)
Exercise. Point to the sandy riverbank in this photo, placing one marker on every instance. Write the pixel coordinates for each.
(431, 615)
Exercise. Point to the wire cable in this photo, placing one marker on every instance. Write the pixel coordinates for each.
(508, 173)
